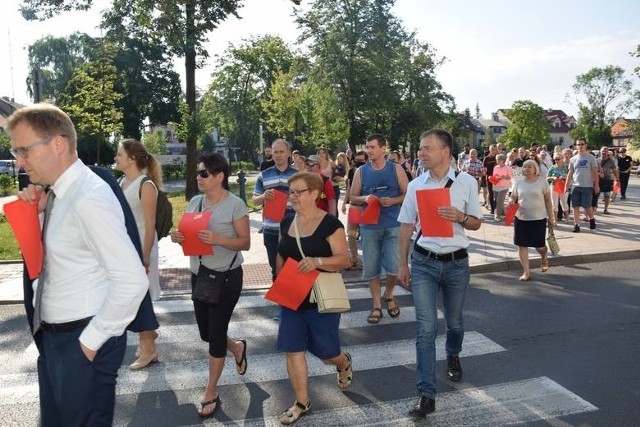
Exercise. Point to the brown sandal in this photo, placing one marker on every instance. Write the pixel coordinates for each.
(375, 316)
(395, 310)
(345, 381)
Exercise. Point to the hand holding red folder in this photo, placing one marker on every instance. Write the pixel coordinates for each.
(274, 209)
(510, 213)
(371, 214)
(24, 221)
(291, 286)
(431, 223)
(189, 225)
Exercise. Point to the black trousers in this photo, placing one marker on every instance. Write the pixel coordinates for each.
(73, 390)
(624, 183)
(492, 199)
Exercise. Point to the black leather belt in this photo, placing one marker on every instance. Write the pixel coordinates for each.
(451, 256)
(66, 327)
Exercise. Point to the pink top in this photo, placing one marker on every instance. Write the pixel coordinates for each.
(501, 171)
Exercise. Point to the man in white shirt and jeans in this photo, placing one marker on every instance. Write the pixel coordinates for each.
(92, 280)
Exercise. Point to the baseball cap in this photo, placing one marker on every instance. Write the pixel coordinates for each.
(313, 159)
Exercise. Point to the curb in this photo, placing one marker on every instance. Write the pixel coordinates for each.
(494, 267)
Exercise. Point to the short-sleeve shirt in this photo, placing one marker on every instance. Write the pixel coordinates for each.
(223, 214)
(473, 168)
(608, 166)
(582, 166)
(315, 245)
(464, 196)
(274, 179)
(530, 195)
(327, 194)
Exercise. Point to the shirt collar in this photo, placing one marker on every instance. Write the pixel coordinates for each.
(451, 174)
(68, 178)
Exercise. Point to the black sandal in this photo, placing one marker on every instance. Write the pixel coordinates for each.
(243, 360)
(375, 316)
(395, 310)
(345, 382)
(206, 403)
(289, 416)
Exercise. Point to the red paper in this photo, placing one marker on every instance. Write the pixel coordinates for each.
(291, 287)
(510, 213)
(431, 223)
(371, 213)
(558, 185)
(190, 224)
(23, 218)
(274, 208)
(493, 179)
(616, 187)
(354, 215)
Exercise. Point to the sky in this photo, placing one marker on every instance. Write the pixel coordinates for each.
(497, 51)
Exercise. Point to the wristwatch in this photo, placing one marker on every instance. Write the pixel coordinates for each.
(464, 220)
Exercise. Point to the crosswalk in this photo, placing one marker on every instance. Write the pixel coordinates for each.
(384, 358)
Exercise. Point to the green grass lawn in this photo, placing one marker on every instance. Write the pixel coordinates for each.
(9, 246)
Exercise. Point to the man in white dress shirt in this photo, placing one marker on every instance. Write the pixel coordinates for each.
(93, 280)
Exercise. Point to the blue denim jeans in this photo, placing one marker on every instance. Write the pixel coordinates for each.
(427, 277)
(380, 250)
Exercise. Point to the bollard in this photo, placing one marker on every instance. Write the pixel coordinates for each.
(242, 180)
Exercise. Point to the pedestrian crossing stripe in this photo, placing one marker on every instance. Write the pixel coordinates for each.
(509, 403)
(184, 375)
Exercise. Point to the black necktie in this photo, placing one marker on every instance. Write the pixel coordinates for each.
(37, 320)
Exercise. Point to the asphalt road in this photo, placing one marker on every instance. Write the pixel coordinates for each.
(561, 350)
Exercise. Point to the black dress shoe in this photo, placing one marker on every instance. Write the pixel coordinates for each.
(454, 370)
(423, 406)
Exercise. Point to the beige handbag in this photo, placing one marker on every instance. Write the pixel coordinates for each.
(328, 291)
(552, 242)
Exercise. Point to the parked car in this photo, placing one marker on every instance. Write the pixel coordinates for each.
(8, 167)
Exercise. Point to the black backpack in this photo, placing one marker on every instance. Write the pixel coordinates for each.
(164, 211)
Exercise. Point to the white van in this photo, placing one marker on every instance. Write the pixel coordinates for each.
(8, 167)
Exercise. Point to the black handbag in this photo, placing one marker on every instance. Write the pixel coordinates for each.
(210, 283)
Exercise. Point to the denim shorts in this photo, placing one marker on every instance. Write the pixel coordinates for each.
(308, 330)
(581, 197)
(380, 249)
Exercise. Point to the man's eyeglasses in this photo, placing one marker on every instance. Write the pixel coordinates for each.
(203, 173)
(297, 193)
(24, 151)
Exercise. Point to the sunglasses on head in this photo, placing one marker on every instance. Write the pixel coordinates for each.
(204, 173)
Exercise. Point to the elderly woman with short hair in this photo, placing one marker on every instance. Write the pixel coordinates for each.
(531, 219)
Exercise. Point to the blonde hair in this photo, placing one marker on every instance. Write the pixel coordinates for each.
(531, 162)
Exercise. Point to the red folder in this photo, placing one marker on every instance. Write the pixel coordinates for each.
(371, 213)
(616, 187)
(558, 185)
(274, 208)
(354, 215)
(190, 224)
(23, 218)
(431, 223)
(510, 213)
(291, 287)
(493, 179)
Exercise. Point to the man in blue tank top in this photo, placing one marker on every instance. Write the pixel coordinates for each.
(387, 182)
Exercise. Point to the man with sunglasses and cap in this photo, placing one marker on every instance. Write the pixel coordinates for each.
(624, 169)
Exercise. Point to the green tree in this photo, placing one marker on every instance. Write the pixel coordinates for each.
(90, 100)
(155, 142)
(602, 94)
(5, 145)
(242, 81)
(527, 126)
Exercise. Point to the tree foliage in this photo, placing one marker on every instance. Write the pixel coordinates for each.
(527, 126)
(603, 95)
(90, 100)
(155, 142)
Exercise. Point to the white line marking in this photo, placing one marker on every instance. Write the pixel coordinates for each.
(265, 367)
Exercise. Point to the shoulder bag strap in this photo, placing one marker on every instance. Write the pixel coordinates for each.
(295, 228)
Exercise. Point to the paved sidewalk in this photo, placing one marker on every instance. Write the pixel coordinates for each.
(617, 237)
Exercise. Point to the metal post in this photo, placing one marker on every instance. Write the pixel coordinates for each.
(242, 180)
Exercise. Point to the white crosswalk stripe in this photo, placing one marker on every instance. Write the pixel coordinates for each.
(506, 403)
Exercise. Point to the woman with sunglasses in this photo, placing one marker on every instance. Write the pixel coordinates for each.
(324, 245)
(228, 234)
(140, 184)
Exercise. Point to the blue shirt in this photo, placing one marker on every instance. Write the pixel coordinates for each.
(381, 183)
(274, 179)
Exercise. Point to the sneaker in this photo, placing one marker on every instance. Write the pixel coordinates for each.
(592, 224)
(576, 228)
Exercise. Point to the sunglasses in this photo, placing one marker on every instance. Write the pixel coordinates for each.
(203, 173)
